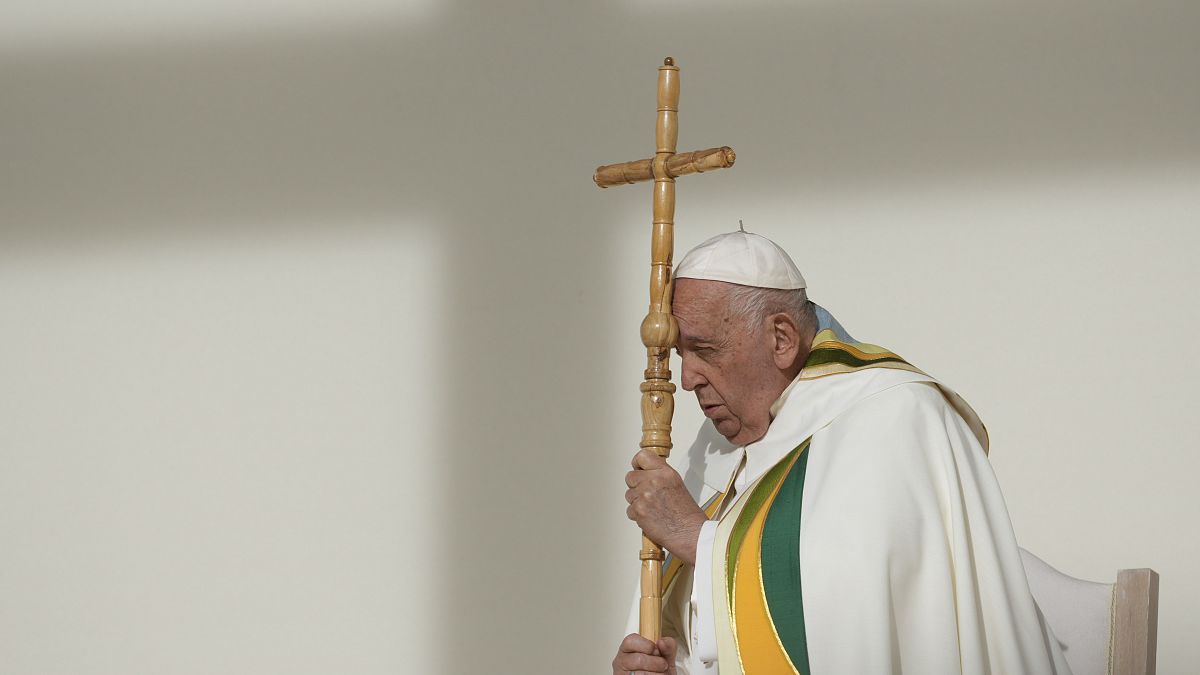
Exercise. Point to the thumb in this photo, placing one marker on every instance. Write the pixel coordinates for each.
(646, 459)
(667, 647)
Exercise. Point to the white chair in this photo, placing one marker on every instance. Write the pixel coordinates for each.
(1103, 629)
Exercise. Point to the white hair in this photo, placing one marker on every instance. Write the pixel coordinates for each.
(755, 304)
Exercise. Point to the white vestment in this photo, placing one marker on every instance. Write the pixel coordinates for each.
(908, 561)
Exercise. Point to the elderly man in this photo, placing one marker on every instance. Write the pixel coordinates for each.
(837, 513)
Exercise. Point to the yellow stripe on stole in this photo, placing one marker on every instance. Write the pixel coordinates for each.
(829, 339)
(862, 349)
(727, 655)
(758, 645)
(711, 509)
(827, 369)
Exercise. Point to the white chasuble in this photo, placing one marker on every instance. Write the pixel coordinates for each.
(866, 534)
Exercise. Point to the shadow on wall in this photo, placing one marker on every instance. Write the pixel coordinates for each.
(492, 120)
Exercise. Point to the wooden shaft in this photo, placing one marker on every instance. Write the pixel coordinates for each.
(650, 606)
(682, 164)
(659, 332)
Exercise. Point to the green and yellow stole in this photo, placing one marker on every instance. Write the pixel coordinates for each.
(760, 614)
(758, 546)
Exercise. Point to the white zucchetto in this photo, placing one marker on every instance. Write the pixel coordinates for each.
(741, 258)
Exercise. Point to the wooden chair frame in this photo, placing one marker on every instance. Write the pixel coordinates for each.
(1135, 622)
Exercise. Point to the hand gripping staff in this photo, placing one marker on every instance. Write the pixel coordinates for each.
(659, 330)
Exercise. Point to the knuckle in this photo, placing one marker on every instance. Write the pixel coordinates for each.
(653, 664)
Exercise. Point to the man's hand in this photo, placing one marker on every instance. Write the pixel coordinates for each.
(637, 654)
(662, 507)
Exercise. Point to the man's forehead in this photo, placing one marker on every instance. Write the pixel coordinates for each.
(700, 307)
(696, 329)
(692, 295)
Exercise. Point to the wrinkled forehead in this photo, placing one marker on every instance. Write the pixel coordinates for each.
(700, 306)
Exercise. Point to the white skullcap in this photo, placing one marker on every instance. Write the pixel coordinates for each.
(741, 258)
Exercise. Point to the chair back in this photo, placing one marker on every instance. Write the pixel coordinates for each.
(1103, 629)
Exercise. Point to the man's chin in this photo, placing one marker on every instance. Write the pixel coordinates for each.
(735, 432)
(729, 429)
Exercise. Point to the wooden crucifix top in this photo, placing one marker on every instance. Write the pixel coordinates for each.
(682, 164)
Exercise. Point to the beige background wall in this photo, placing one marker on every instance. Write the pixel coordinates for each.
(318, 347)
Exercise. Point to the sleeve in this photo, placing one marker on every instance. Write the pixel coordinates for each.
(702, 630)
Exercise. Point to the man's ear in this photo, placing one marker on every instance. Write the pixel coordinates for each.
(785, 340)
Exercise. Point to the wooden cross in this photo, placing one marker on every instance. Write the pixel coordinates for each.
(659, 331)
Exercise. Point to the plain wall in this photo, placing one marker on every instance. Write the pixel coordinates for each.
(318, 347)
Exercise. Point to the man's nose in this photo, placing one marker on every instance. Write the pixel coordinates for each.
(688, 376)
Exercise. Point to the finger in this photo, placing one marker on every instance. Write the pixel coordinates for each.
(648, 460)
(637, 643)
(641, 663)
(633, 478)
(630, 495)
(667, 647)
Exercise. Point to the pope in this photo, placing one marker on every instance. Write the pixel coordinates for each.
(836, 513)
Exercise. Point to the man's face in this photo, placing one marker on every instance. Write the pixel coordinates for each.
(726, 360)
